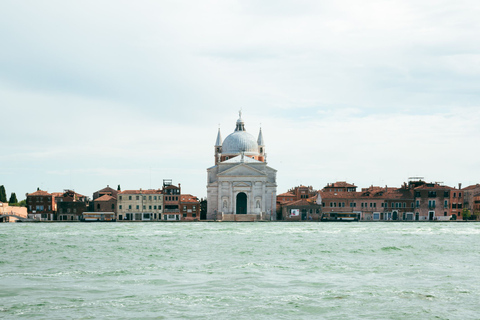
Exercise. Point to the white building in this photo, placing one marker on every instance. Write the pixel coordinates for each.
(241, 187)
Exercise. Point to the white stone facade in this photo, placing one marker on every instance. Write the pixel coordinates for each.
(241, 185)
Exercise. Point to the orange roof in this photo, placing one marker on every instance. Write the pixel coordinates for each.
(188, 198)
(286, 194)
(39, 193)
(340, 184)
(433, 186)
(105, 197)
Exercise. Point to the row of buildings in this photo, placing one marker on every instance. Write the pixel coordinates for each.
(416, 200)
(242, 187)
(165, 204)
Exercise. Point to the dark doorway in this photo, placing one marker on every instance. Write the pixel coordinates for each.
(431, 215)
(395, 215)
(304, 214)
(241, 203)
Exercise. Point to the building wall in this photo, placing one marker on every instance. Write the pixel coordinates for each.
(105, 206)
(139, 205)
(41, 207)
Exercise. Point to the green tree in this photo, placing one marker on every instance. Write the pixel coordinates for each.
(13, 199)
(22, 203)
(466, 214)
(203, 208)
(3, 194)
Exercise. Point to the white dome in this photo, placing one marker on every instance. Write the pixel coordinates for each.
(239, 141)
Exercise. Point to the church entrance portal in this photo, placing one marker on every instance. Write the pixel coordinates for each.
(241, 203)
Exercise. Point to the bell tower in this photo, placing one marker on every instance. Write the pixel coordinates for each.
(218, 147)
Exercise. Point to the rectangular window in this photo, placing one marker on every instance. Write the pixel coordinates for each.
(154, 207)
(120, 197)
(154, 197)
(184, 208)
(130, 207)
(418, 203)
(120, 207)
(144, 197)
(144, 207)
(138, 207)
(149, 207)
(445, 205)
(432, 194)
(129, 197)
(149, 197)
(194, 208)
(137, 197)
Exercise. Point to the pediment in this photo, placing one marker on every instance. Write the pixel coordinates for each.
(242, 170)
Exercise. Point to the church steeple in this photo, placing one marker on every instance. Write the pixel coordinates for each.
(260, 141)
(218, 143)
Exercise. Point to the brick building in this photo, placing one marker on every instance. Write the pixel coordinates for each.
(105, 203)
(468, 197)
(171, 200)
(41, 206)
(71, 206)
(305, 209)
(190, 207)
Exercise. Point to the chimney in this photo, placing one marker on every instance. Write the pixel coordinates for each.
(459, 186)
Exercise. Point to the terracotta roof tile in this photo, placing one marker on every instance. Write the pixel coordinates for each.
(39, 193)
(105, 197)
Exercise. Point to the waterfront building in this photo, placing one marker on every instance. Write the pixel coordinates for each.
(105, 203)
(241, 187)
(432, 202)
(340, 201)
(468, 197)
(71, 206)
(41, 206)
(305, 209)
(476, 205)
(171, 199)
(190, 207)
(139, 205)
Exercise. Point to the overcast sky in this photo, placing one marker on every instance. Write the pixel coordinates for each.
(96, 93)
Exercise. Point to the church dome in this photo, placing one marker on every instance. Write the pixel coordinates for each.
(239, 141)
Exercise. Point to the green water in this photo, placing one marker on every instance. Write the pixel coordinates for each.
(240, 271)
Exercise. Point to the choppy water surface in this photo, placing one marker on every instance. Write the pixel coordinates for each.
(240, 270)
